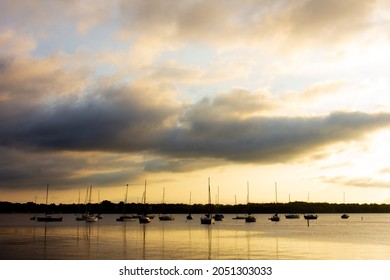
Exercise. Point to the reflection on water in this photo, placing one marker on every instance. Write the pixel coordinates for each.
(329, 237)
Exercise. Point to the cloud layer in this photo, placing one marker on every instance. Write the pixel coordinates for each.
(182, 85)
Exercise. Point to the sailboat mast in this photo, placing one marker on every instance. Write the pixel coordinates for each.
(276, 193)
(47, 192)
(209, 197)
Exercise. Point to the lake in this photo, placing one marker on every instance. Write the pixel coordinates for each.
(361, 237)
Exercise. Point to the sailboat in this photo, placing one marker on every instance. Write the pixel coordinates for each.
(144, 219)
(344, 216)
(218, 216)
(48, 218)
(124, 216)
(207, 219)
(310, 216)
(275, 217)
(235, 204)
(78, 216)
(90, 218)
(35, 204)
(165, 217)
(249, 218)
(189, 217)
(291, 215)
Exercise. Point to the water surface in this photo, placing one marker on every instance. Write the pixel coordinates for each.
(362, 236)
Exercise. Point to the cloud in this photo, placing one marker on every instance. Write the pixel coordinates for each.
(293, 24)
(363, 182)
(140, 118)
(28, 169)
(12, 44)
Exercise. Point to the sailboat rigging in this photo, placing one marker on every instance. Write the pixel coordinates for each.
(90, 218)
(144, 219)
(275, 217)
(218, 216)
(235, 205)
(46, 217)
(207, 219)
(189, 217)
(165, 217)
(344, 216)
(124, 216)
(249, 218)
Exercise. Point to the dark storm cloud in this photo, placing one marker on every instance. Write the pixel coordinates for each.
(125, 120)
(268, 139)
(116, 120)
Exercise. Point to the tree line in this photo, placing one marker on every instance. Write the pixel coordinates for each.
(179, 208)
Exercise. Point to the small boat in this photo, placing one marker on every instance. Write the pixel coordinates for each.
(165, 217)
(208, 219)
(344, 216)
(46, 217)
(310, 216)
(292, 216)
(89, 217)
(92, 218)
(238, 217)
(274, 218)
(249, 218)
(189, 217)
(126, 217)
(144, 219)
(218, 217)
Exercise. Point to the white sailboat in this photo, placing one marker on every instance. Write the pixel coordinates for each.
(90, 218)
(207, 219)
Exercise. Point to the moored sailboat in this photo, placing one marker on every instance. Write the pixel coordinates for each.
(189, 217)
(207, 219)
(144, 219)
(46, 217)
(249, 218)
(235, 205)
(275, 217)
(165, 217)
(125, 217)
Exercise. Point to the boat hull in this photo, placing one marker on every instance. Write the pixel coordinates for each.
(207, 221)
(311, 217)
(250, 219)
(292, 216)
(49, 219)
(144, 220)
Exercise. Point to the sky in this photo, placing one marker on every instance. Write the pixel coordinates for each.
(286, 97)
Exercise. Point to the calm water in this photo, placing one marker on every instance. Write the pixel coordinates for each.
(362, 236)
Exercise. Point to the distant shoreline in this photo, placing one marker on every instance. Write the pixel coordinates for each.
(108, 207)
